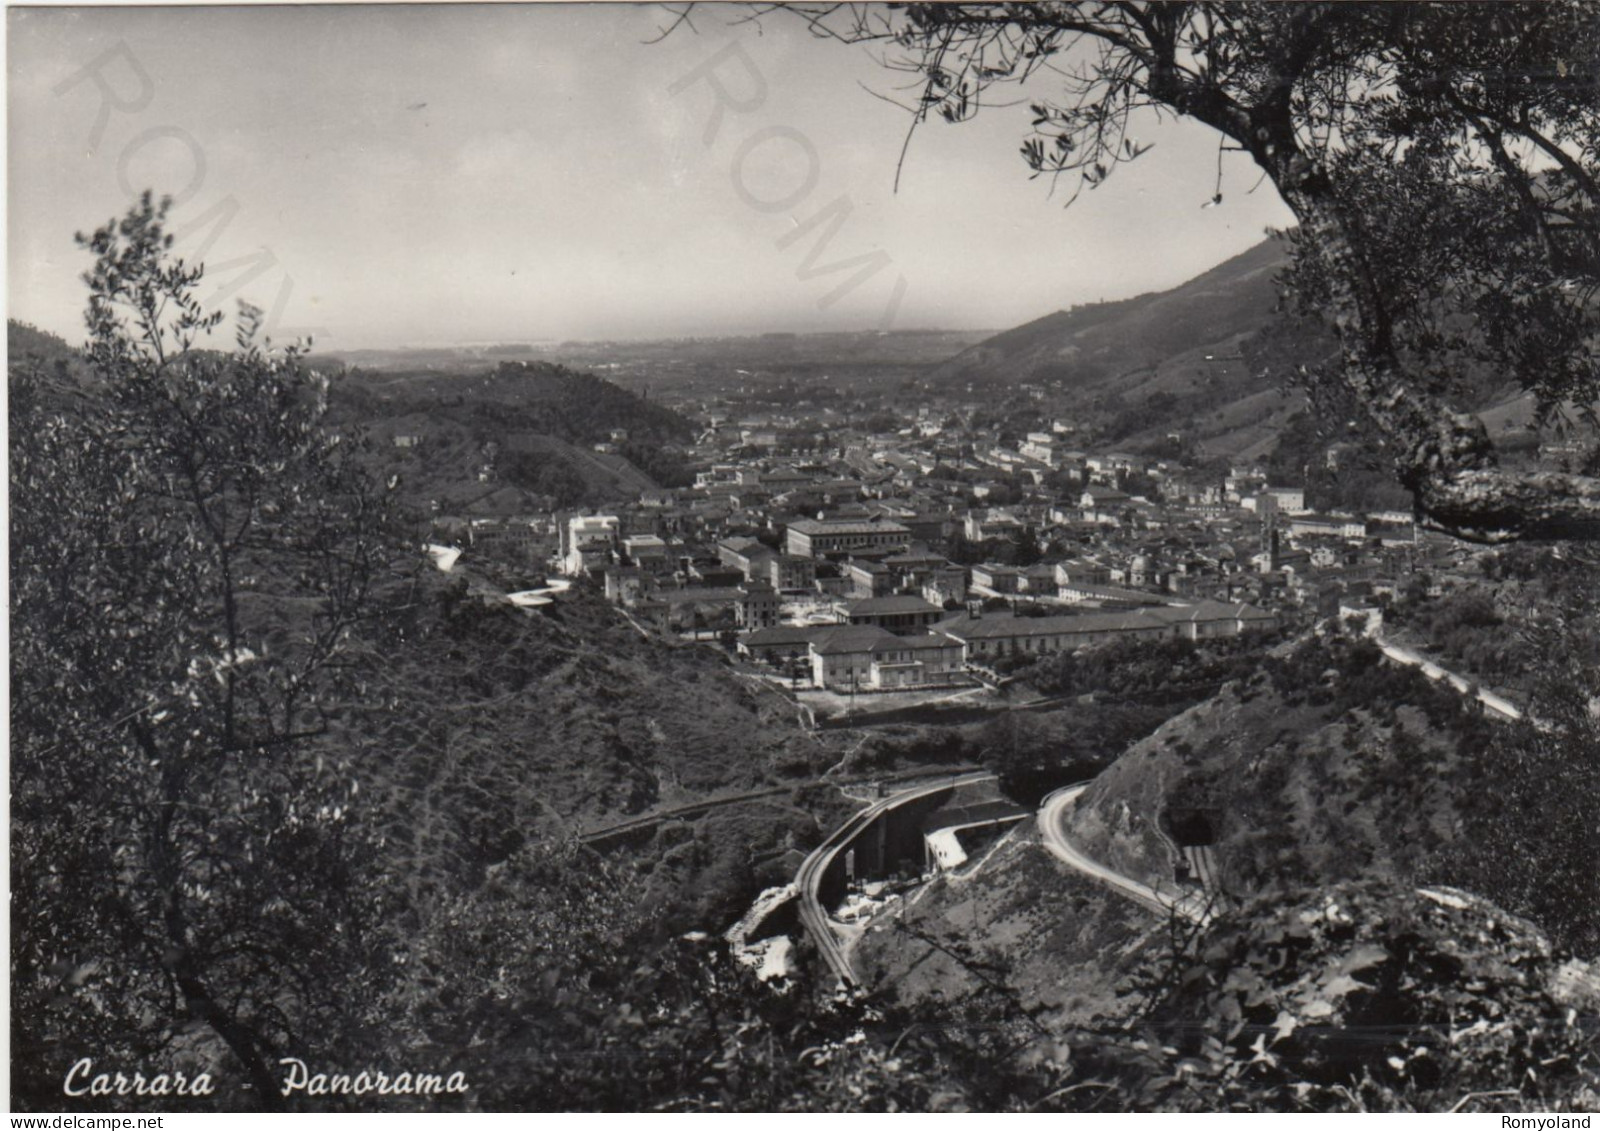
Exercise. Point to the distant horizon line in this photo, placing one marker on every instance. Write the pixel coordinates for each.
(480, 344)
(646, 339)
(473, 344)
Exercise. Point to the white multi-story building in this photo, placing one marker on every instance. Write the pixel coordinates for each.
(590, 540)
(1040, 446)
(814, 538)
(1291, 500)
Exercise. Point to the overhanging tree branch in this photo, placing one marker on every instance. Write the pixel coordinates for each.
(1311, 91)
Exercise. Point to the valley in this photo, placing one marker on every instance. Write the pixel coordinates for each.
(983, 675)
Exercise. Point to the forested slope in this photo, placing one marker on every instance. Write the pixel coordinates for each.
(531, 425)
(490, 727)
(1332, 765)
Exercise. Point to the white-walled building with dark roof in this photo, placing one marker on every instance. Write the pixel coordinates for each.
(992, 635)
(815, 538)
(902, 615)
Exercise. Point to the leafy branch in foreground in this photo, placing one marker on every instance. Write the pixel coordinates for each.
(192, 552)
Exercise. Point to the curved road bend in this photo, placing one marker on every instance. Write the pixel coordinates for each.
(1576, 982)
(1052, 826)
(1053, 811)
(816, 918)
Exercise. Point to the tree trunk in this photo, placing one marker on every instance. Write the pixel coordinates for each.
(1445, 458)
(239, 1038)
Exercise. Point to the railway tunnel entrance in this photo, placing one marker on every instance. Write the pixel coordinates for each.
(1194, 830)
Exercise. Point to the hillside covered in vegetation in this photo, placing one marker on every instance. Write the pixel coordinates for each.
(1332, 765)
(531, 425)
(490, 728)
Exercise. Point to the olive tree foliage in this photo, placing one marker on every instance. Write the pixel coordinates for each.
(1530, 839)
(552, 987)
(1361, 996)
(191, 554)
(1441, 160)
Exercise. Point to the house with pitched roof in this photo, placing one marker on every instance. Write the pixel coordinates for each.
(868, 658)
(815, 538)
(902, 615)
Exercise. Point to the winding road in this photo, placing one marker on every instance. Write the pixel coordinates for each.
(1052, 828)
(1411, 658)
(1194, 906)
(826, 932)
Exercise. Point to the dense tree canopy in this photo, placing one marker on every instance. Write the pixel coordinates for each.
(190, 554)
(1441, 159)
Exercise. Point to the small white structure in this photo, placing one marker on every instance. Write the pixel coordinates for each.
(444, 557)
(946, 849)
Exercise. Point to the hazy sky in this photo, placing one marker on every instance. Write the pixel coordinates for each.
(409, 174)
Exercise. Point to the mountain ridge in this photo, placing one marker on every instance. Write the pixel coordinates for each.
(1076, 346)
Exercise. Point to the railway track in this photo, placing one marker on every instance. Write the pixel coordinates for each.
(816, 919)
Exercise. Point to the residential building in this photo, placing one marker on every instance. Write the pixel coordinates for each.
(789, 573)
(1291, 500)
(986, 525)
(1040, 446)
(946, 585)
(782, 479)
(849, 658)
(913, 568)
(992, 635)
(781, 644)
(519, 536)
(1326, 525)
(1077, 571)
(1107, 596)
(1038, 580)
(869, 578)
(901, 615)
(1104, 504)
(625, 585)
(928, 527)
(647, 551)
(759, 606)
(830, 580)
(997, 578)
(746, 555)
(916, 661)
(841, 657)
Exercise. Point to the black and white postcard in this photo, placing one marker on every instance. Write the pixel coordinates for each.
(914, 558)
